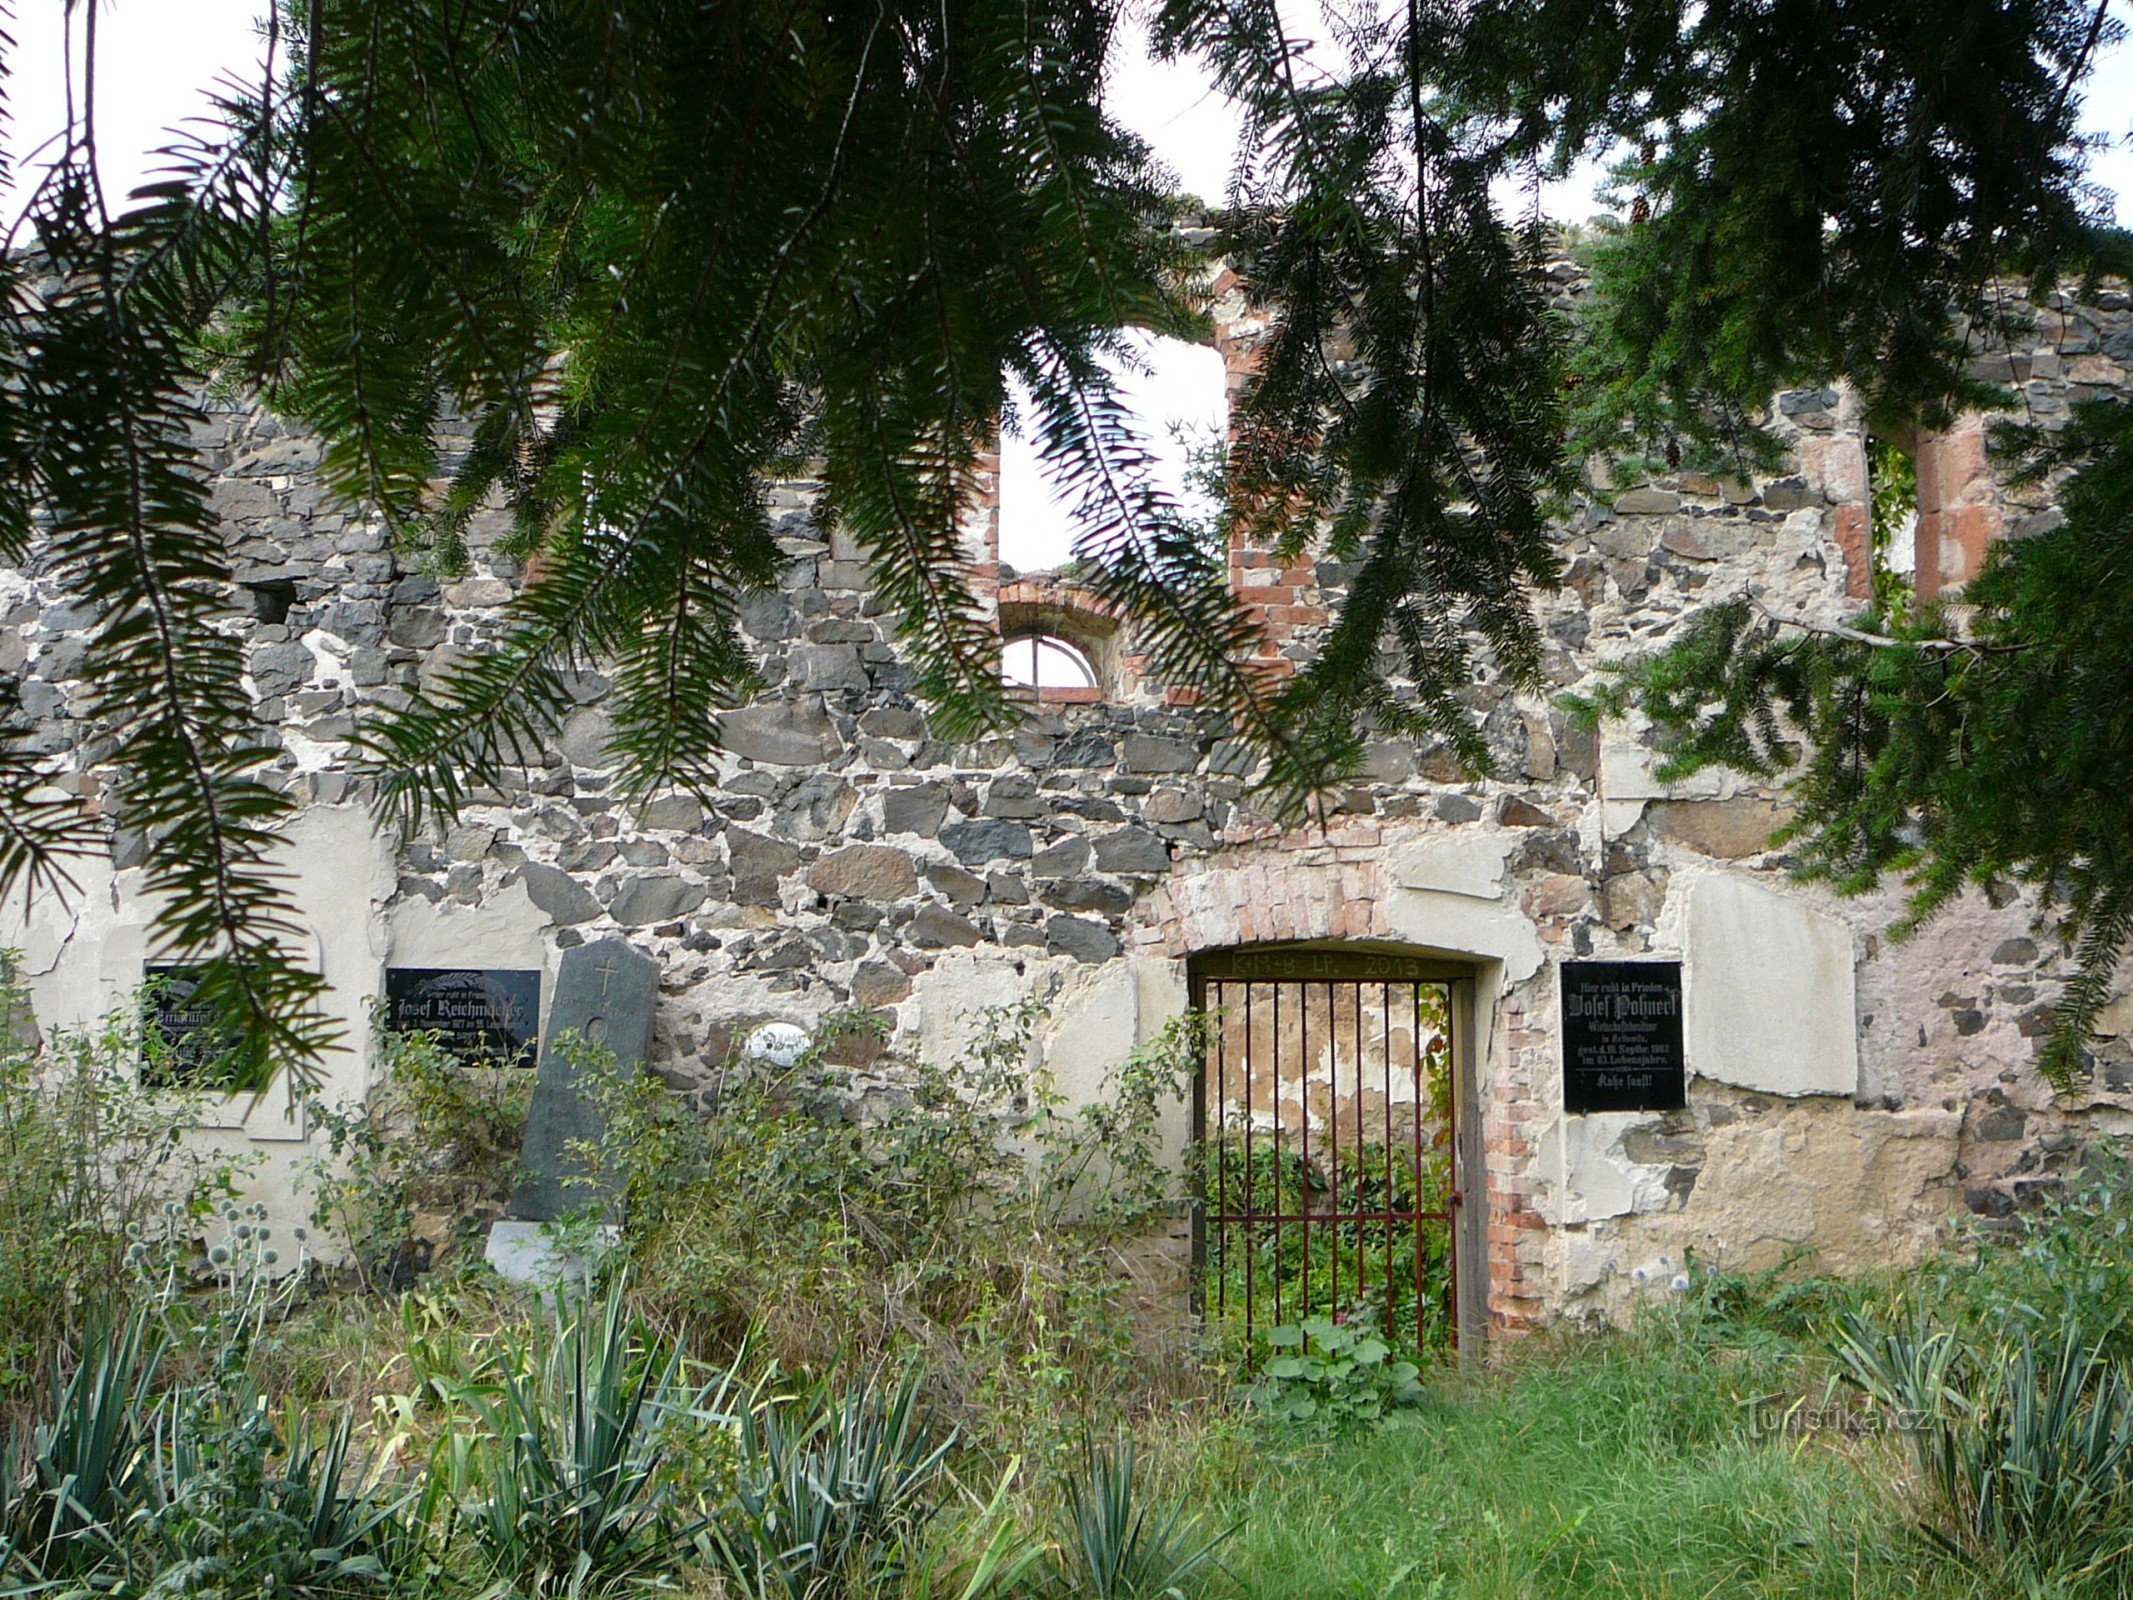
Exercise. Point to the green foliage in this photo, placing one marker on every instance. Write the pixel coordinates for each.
(1112, 1544)
(1622, 1465)
(1892, 479)
(648, 256)
(835, 1491)
(97, 1182)
(1948, 758)
(193, 1489)
(572, 1499)
(1769, 1312)
(1815, 192)
(1427, 455)
(101, 366)
(961, 1210)
(1333, 1373)
(2027, 1443)
(435, 1134)
(628, 316)
(2064, 1263)
(1396, 1275)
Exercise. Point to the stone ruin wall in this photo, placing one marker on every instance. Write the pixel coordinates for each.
(1847, 1096)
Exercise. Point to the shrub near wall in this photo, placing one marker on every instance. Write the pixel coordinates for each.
(961, 1213)
(96, 1182)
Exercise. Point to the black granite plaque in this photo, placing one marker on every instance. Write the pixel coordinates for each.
(185, 1043)
(1622, 1036)
(480, 1015)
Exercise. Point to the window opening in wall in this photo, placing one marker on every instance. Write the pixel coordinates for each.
(1177, 393)
(1052, 666)
(1045, 662)
(1892, 488)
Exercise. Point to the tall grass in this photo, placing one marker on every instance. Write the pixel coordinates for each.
(1614, 1465)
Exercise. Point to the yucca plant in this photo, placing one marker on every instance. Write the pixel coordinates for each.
(2027, 1446)
(836, 1489)
(979, 1556)
(87, 1461)
(572, 1498)
(1113, 1545)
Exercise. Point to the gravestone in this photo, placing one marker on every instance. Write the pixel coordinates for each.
(1622, 1048)
(480, 1014)
(603, 995)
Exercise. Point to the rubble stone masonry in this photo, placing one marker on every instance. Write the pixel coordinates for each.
(1847, 1097)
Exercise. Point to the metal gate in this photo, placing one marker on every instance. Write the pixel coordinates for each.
(1326, 1113)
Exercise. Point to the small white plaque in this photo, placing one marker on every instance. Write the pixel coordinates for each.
(779, 1043)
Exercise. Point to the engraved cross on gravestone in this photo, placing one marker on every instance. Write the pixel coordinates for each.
(604, 995)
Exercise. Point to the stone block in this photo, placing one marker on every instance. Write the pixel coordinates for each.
(782, 733)
(877, 983)
(937, 928)
(1088, 894)
(914, 808)
(963, 887)
(828, 666)
(1132, 851)
(1647, 502)
(1513, 811)
(1770, 1002)
(864, 872)
(1726, 830)
(986, 839)
(586, 737)
(1062, 860)
(565, 901)
(1141, 752)
(1080, 938)
(758, 863)
(646, 898)
(676, 813)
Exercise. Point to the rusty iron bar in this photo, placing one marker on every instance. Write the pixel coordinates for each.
(1385, 1020)
(1221, 1148)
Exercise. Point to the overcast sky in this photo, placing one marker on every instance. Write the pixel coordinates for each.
(157, 58)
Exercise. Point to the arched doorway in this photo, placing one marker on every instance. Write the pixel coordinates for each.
(1338, 1142)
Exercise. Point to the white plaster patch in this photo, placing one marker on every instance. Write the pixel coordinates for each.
(1470, 864)
(1460, 925)
(1095, 1025)
(309, 754)
(507, 930)
(1592, 1176)
(1628, 781)
(961, 985)
(1771, 1001)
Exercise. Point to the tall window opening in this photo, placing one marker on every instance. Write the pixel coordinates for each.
(1892, 490)
(1178, 392)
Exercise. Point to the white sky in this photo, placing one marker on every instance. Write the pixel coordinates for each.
(157, 58)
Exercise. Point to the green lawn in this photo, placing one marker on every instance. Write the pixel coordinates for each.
(1619, 1465)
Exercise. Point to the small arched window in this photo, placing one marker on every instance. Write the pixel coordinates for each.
(1056, 668)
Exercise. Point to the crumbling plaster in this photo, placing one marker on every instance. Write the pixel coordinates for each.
(845, 857)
